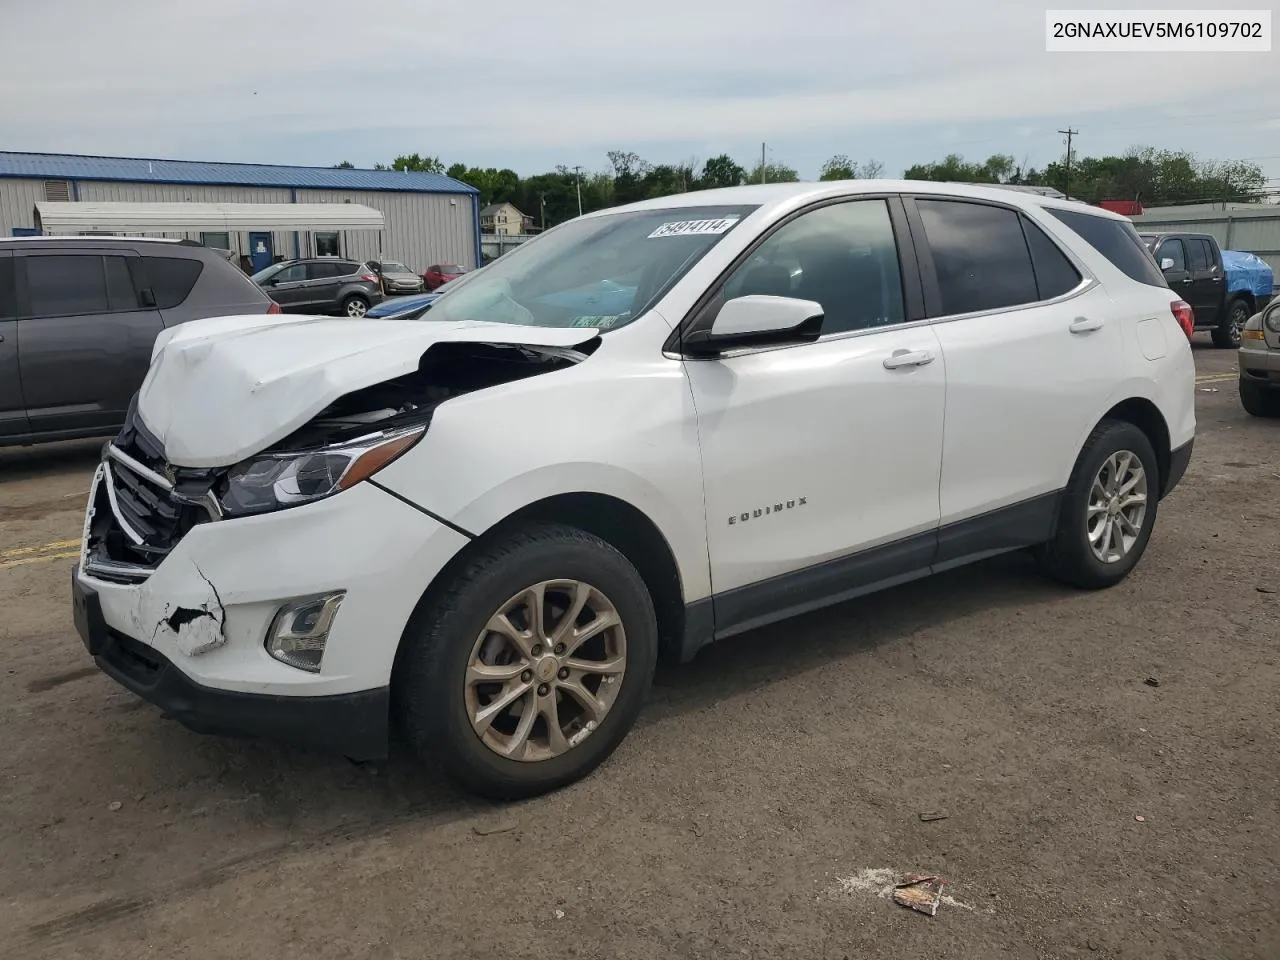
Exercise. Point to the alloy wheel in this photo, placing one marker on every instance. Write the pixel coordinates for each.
(1117, 506)
(546, 670)
(356, 308)
(1239, 317)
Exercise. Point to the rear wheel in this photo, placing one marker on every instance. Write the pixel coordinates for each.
(532, 665)
(1259, 401)
(1227, 333)
(355, 306)
(1108, 509)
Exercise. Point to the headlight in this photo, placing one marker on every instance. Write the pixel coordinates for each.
(1272, 319)
(279, 480)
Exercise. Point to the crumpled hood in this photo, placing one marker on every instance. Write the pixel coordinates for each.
(222, 389)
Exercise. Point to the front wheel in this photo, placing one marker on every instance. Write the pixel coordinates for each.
(1259, 401)
(1108, 509)
(355, 307)
(1227, 333)
(530, 667)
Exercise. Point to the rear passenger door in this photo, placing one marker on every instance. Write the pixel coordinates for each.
(323, 279)
(84, 338)
(1208, 286)
(13, 413)
(1031, 351)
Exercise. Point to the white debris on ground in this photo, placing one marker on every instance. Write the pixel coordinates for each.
(880, 882)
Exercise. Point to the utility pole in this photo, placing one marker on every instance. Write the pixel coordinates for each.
(1068, 133)
(763, 166)
(578, 180)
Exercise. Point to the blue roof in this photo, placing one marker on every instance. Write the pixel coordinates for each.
(61, 166)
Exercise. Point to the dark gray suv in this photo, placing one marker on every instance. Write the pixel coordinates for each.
(321, 285)
(78, 319)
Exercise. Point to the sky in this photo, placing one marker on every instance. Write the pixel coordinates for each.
(529, 85)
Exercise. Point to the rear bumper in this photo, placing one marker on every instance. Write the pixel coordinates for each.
(1178, 461)
(352, 724)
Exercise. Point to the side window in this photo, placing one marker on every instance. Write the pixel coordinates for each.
(1199, 254)
(1055, 274)
(292, 274)
(322, 271)
(8, 295)
(1172, 249)
(843, 256)
(1117, 241)
(65, 285)
(121, 294)
(979, 254)
(171, 279)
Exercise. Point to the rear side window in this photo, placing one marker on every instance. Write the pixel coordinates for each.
(323, 271)
(1055, 274)
(66, 285)
(8, 296)
(1117, 241)
(1198, 253)
(979, 254)
(171, 279)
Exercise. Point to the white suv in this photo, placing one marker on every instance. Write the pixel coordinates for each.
(651, 427)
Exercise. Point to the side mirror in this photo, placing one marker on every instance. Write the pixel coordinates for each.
(1166, 264)
(757, 321)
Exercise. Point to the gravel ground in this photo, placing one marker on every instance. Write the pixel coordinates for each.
(769, 793)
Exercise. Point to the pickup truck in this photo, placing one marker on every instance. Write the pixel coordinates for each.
(1224, 287)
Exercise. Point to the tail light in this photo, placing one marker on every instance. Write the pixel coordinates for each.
(274, 308)
(1185, 316)
(369, 277)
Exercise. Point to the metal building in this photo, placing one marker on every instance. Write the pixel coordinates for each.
(428, 218)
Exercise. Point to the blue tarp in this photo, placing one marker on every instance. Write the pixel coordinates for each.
(1247, 273)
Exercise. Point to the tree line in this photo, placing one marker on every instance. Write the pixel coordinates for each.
(1154, 177)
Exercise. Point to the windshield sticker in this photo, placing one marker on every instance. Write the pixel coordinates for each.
(600, 323)
(694, 228)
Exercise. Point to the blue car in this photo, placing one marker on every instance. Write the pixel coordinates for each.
(403, 308)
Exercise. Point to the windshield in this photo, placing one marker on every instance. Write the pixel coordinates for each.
(390, 266)
(267, 272)
(598, 272)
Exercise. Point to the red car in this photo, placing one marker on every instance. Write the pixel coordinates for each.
(441, 273)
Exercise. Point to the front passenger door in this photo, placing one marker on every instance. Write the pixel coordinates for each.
(1177, 276)
(821, 459)
(289, 288)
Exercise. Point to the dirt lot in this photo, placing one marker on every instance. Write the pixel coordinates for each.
(744, 816)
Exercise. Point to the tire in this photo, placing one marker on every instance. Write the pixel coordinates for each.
(1069, 556)
(355, 307)
(1227, 333)
(436, 697)
(1259, 401)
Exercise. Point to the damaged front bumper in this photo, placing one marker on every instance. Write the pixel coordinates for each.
(352, 724)
(191, 636)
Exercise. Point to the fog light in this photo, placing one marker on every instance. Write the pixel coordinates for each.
(300, 630)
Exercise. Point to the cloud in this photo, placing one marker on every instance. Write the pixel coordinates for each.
(235, 79)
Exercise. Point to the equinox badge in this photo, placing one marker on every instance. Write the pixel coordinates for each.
(767, 510)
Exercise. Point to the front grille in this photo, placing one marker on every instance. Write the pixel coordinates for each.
(132, 506)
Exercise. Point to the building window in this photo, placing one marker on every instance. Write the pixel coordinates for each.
(327, 245)
(219, 241)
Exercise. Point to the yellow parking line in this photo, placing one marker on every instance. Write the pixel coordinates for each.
(23, 561)
(1215, 377)
(55, 545)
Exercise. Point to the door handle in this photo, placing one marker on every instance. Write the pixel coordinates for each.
(907, 358)
(1084, 325)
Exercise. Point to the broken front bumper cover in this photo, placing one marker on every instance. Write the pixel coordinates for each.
(352, 724)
